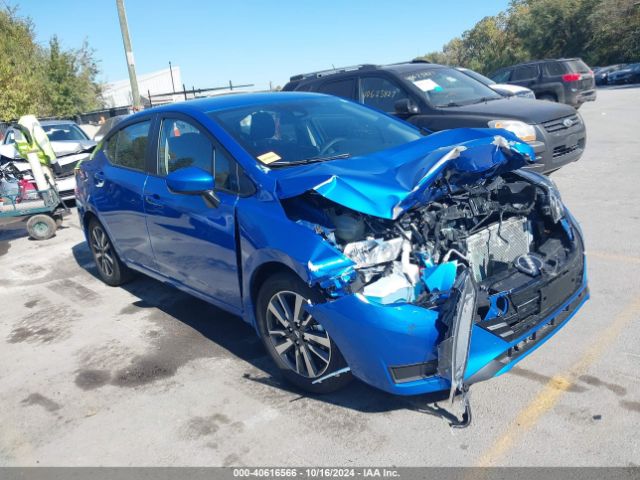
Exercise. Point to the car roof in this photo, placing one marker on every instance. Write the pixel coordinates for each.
(227, 102)
(535, 62)
(49, 123)
(400, 67)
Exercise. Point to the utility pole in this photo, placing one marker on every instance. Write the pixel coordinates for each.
(135, 94)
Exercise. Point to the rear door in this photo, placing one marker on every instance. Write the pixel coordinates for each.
(116, 191)
(193, 242)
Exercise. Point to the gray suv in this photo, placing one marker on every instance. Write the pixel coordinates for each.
(565, 80)
(435, 97)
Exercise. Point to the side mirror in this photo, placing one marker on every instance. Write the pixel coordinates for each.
(406, 106)
(190, 181)
(194, 181)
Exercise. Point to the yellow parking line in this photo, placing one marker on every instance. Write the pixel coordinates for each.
(617, 257)
(559, 384)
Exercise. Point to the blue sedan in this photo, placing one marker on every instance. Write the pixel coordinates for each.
(354, 243)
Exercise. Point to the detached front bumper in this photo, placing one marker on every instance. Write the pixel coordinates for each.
(395, 347)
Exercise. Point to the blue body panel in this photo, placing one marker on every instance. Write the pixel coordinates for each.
(193, 243)
(215, 253)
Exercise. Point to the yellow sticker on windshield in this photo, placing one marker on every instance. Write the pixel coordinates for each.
(269, 157)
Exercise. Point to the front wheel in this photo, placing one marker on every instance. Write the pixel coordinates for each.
(301, 348)
(110, 268)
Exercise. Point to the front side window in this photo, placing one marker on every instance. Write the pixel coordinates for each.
(128, 147)
(312, 130)
(526, 72)
(501, 77)
(182, 145)
(448, 87)
(380, 93)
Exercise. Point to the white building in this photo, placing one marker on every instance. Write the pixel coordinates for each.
(118, 94)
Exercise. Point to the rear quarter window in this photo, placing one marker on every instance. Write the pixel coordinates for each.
(554, 69)
(578, 66)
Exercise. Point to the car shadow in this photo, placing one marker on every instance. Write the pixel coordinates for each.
(240, 340)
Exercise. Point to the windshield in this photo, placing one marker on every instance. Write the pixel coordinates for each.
(64, 132)
(475, 75)
(447, 87)
(312, 130)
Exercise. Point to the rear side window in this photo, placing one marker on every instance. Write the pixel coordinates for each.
(380, 93)
(128, 147)
(340, 88)
(554, 69)
(525, 72)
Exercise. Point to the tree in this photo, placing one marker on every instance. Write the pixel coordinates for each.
(71, 85)
(43, 81)
(615, 32)
(601, 32)
(21, 67)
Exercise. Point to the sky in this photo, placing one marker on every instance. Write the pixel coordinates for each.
(252, 41)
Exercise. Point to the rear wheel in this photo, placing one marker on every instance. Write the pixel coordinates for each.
(110, 268)
(301, 348)
(41, 227)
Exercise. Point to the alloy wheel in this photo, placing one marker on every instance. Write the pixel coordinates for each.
(102, 250)
(300, 341)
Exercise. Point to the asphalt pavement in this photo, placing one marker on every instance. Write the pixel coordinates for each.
(145, 375)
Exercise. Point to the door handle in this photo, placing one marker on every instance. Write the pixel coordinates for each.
(98, 179)
(153, 199)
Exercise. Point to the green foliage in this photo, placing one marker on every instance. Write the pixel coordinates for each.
(602, 32)
(43, 81)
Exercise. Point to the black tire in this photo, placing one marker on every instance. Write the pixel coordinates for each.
(41, 227)
(548, 97)
(313, 358)
(110, 268)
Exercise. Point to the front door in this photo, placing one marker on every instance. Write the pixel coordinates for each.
(194, 243)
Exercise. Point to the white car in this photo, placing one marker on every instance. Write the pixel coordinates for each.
(503, 89)
(70, 145)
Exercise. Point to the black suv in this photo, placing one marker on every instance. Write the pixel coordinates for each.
(436, 97)
(566, 80)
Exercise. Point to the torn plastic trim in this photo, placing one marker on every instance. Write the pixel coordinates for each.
(453, 352)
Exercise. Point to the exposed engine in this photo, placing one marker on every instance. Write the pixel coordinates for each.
(483, 228)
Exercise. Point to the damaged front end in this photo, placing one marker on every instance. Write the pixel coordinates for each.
(460, 279)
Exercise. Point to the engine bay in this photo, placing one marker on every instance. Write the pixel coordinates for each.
(503, 231)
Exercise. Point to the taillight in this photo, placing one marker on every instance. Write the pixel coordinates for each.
(571, 77)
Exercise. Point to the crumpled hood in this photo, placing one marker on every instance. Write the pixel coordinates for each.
(385, 184)
(69, 147)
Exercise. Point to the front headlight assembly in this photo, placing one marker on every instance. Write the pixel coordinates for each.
(524, 131)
